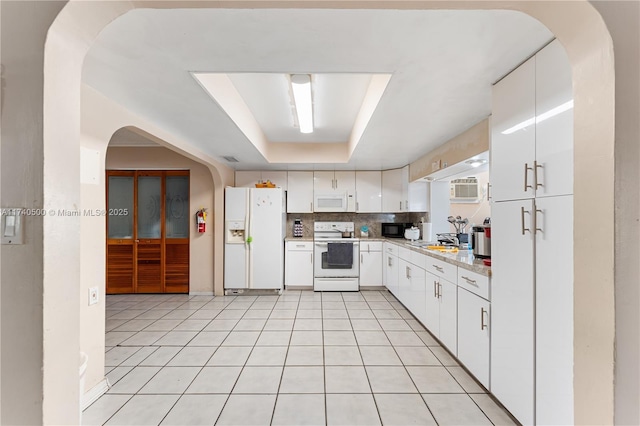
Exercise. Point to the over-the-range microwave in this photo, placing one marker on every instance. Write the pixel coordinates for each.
(333, 202)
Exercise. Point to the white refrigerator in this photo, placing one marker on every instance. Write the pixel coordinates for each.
(254, 238)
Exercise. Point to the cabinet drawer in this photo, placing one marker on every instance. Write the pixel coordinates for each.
(418, 259)
(404, 254)
(300, 245)
(370, 246)
(474, 282)
(391, 248)
(442, 269)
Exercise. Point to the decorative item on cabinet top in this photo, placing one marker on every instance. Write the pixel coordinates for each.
(267, 184)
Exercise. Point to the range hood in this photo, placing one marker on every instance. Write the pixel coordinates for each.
(469, 167)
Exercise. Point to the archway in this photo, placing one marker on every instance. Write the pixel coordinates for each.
(576, 24)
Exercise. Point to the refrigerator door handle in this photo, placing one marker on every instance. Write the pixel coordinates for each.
(248, 253)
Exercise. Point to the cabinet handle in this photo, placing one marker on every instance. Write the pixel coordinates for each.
(439, 291)
(536, 166)
(408, 273)
(482, 324)
(300, 245)
(389, 261)
(526, 174)
(357, 206)
(535, 220)
(311, 256)
(438, 268)
(488, 191)
(522, 212)
(406, 204)
(400, 205)
(435, 292)
(361, 259)
(469, 280)
(311, 206)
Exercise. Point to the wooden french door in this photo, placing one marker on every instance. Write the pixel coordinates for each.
(148, 227)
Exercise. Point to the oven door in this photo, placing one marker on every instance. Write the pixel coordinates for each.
(336, 259)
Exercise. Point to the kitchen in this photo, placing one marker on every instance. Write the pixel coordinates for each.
(397, 188)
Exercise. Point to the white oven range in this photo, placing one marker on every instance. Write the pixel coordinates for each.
(336, 254)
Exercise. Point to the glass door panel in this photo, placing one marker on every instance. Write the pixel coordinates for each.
(149, 206)
(120, 204)
(177, 207)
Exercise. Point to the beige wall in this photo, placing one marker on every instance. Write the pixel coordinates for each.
(475, 212)
(575, 24)
(201, 195)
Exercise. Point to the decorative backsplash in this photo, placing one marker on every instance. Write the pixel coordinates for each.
(372, 220)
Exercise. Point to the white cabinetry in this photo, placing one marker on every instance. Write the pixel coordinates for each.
(370, 263)
(392, 200)
(368, 192)
(300, 192)
(390, 265)
(411, 283)
(398, 195)
(532, 236)
(474, 324)
(299, 264)
(248, 179)
(441, 304)
(328, 181)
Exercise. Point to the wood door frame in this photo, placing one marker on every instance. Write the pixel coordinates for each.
(134, 241)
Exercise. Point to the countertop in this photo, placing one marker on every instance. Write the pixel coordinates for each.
(463, 258)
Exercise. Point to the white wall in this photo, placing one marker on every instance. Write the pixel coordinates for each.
(475, 212)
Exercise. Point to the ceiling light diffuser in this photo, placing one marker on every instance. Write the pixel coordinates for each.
(301, 87)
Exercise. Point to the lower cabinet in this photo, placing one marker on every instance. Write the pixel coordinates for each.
(474, 334)
(371, 265)
(390, 268)
(441, 317)
(298, 263)
(411, 283)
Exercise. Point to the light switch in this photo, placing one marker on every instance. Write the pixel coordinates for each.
(11, 226)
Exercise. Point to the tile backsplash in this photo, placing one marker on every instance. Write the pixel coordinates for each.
(372, 220)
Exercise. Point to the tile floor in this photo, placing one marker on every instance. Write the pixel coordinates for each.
(301, 358)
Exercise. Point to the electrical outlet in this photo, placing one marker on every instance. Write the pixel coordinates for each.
(93, 295)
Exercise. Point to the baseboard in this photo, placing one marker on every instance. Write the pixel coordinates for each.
(200, 293)
(95, 392)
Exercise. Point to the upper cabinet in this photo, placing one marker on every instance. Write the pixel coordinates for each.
(369, 192)
(248, 179)
(532, 129)
(399, 195)
(342, 182)
(300, 192)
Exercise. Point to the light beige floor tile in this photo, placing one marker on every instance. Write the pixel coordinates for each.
(283, 314)
(171, 380)
(305, 355)
(230, 355)
(352, 379)
(352, 297)
(117, 355)
(117, 373)
(302, 380)
(139, 356)
(112, 324)
(296, 409)
(394, 325)
(356, 305)
(263, 305)
(267, 355)
(209, 338)
(241, 338)
(310, 304)
(416, 355)
(236, 410)
(379, 355)
(451, 409)
(342, 355)
(339, 338)
(389, 379)
(434, 380)
(205, 314)
(144, 338)
(192, 325)
(144, 410)
(336, 324)
(465, 380)
(135, 325)
(221, 325)
(274, 338)
(257, 314)
(250, 325)
(309, 313)
(386, 314)
(403, 410)
(154, 314)
(114, 338)
(333, 305)
(361, 314)
(134, 380)
(286, 305)
(279, 324)
(365, 324)
(331, 297)
(404, 338)
(335, 314)
(372, 338)
(163, 325)
(196, 356)
(305, 338)
(101, 410)
(427, 338)
(215, 380)
(230, 313)
(303, 324)
(176, 338)
(195, 410)
(491, 409)
(443, 356)
(161, 356)
(379, 304)
(179, 314)
(255, 380)
(351, 410)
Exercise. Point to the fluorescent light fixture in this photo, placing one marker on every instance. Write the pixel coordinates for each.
(476, 162)
(301, 87)
(540, 118)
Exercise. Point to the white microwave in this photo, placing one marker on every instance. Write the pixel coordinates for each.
(333, 202)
